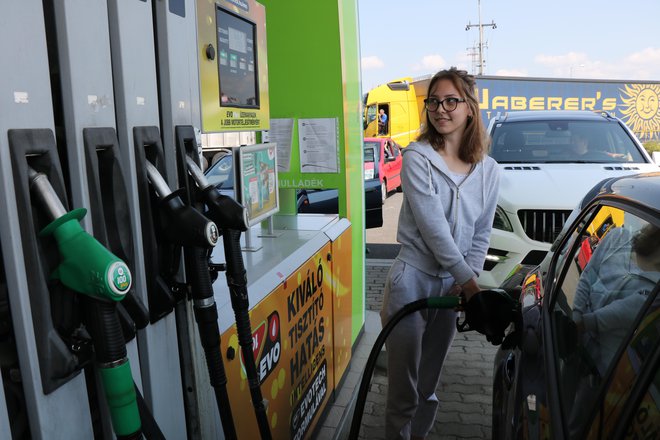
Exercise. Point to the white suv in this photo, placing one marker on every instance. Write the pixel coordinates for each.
(548, 161)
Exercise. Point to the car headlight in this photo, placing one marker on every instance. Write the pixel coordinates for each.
(501, 221)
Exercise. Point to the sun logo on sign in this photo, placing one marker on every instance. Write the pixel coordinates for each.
(641, 109)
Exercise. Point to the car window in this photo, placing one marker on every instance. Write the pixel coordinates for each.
(644, 421)
(221, 174)
(369, 153)
(609, 268)
(563, 142)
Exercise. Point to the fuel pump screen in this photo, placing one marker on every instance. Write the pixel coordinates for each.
(237, 61)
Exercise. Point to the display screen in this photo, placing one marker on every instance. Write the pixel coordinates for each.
(237, 61)
(256, 185)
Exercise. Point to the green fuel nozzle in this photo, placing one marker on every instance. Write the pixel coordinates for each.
(86, 265)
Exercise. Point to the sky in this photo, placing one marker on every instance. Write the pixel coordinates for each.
(595, 39)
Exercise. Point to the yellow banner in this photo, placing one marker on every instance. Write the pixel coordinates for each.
(293, 349)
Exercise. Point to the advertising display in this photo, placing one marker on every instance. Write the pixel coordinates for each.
(232, 65)
(342, 306)
(256, 180)
(293, 349)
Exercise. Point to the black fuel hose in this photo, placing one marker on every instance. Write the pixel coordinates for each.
(442, 302)
(237, 283)
(206, 316)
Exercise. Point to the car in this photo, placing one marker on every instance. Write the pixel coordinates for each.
(383, 160)
(582, 359)
(548, 160)
(309, 201)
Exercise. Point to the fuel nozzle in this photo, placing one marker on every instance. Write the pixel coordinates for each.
(183, 224)
(222, 209)
(86, 265)
(490, 312)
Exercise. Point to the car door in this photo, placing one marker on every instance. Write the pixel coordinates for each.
(605, 294)
(390, 164)
(370, 123)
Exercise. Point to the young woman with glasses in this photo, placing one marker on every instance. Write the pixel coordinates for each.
(450, 187)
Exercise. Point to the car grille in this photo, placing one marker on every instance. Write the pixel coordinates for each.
(542, 225)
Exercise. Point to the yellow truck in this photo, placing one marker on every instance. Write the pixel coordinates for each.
(403, 102)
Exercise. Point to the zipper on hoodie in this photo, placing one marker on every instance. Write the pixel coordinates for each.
(458, 190)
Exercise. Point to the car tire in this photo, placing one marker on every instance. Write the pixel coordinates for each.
(497, 411)
(383, 189)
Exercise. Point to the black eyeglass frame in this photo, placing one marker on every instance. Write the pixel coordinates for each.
(428, 103)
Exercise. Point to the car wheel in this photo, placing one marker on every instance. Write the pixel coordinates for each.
(383, 189)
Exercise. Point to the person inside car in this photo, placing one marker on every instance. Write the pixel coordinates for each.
(620, 275)
(616, 282)
(580, 143)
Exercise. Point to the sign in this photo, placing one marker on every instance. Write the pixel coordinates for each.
(293, 347)
(636, 104)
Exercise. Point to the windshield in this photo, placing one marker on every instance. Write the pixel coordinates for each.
(221, 174)
(563, 142)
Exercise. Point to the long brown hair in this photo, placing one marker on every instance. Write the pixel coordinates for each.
(474, 144)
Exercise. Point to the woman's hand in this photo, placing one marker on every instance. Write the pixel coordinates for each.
(470, 288)
(455, 290)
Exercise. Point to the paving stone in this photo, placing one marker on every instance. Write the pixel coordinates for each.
(465, 389)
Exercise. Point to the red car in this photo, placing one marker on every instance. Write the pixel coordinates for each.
(382, 160)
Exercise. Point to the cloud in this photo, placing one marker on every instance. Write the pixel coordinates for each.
(430, 63)
(372, 62)
(641, 65)
(644, 64)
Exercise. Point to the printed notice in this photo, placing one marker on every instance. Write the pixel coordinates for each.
(318, 139)
(281, 133)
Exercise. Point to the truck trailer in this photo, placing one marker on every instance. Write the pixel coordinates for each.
(634, 102)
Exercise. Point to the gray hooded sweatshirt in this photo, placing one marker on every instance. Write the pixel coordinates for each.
(444, 228)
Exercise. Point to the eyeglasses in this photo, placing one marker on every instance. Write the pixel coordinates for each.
(449, 104)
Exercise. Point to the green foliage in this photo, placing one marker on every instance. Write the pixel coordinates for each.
(652, 146)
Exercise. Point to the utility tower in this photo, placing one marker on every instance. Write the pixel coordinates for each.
(481, 62)
(473, 53)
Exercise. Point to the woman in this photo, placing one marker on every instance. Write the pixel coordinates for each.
(450, 189)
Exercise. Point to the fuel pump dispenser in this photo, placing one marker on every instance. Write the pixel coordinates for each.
(232, 220)
(185, 226)
(88, 268)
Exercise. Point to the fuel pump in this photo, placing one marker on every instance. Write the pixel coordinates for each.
(89, 268)
(232, 219)
(187, 227)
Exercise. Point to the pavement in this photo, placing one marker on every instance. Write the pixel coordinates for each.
(464, 391)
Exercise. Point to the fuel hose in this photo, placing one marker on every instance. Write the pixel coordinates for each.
(187, 227)
(237, 283)
(114, 368)
(206, 316)
(442, 302)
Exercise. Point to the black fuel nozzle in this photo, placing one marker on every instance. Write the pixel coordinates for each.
(490, 312)
(222, 209)
(182, 224)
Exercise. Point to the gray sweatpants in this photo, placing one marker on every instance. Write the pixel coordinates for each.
(416, 350)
